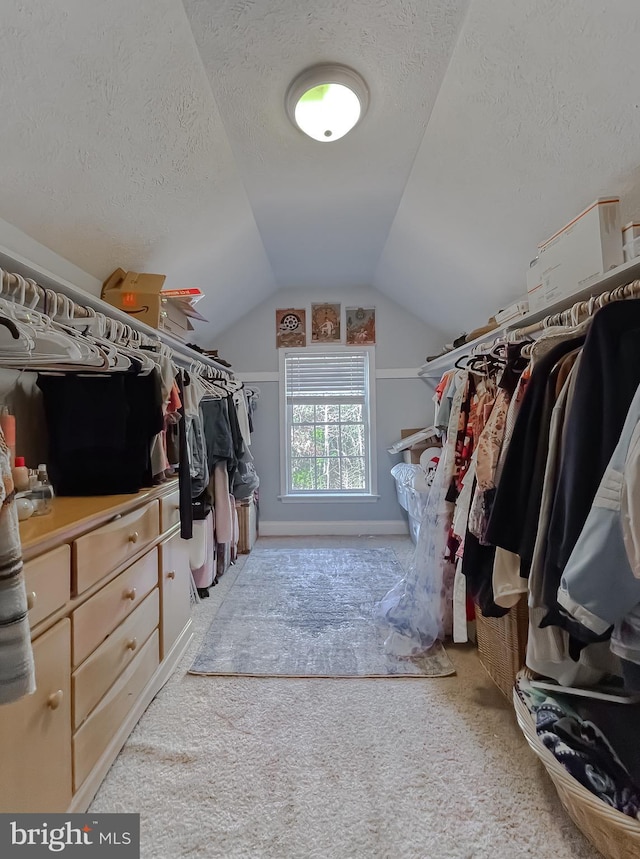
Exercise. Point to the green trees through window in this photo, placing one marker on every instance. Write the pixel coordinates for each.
(328, 447)
(327, 421)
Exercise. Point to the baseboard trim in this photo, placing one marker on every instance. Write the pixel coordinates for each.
(348, 528)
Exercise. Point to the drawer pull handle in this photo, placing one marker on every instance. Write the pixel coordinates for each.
(132, 644)
(133, 538)
(54, 701)
(130, 594)
(31, 600)
(171, 574)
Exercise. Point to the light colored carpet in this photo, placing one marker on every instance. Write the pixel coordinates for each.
(245, 768)
(310, 613)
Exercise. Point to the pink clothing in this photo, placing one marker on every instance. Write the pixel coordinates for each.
(222, 506)
(236, 528)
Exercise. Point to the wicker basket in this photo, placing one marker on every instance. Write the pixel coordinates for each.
(615, 835)
(502, 644)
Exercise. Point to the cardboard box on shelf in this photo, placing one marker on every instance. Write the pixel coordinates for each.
(413, 453)
(136, 294)
(142, 297)
(577, 255)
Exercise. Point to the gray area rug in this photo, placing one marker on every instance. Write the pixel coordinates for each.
(335, 769)
(310, 613)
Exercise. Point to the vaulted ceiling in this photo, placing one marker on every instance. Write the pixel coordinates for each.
(152, 135)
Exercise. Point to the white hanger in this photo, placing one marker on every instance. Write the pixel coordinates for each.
(48, 345)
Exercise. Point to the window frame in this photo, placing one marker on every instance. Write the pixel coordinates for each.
(319, 495)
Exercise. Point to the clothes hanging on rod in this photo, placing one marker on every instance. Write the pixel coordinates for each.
(27, 293)
(101, 430)
(184, 474)
(111, 395)
(596, 605)
(517, 481)
(607, 380)
(123, 411)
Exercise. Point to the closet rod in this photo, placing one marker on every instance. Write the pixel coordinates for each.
(12, 262)
(571, 315)
(582, 309)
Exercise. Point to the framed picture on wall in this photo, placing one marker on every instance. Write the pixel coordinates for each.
(325, 323)
(361, 326)
(291, 328)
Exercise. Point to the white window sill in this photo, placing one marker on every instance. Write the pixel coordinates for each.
(306, 499)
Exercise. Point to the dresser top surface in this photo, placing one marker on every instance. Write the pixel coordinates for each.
(72, 516)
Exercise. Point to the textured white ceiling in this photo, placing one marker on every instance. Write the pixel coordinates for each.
(113, 152)
(152, 135)
(324, 210)
(538, 115)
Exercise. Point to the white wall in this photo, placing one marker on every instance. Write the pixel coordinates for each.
(18, 389)
(18, 245)
(403, 341)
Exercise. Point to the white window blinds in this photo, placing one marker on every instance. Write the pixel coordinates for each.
(326, 376)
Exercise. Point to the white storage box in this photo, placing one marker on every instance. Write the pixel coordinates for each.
(577, 255)
(630, 231)
(412, 489)
(202, 552)
(535, 291)
(514, 311)
(632, 249)
(247, 524)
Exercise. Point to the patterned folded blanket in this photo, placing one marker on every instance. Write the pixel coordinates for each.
(583, 750)
(17, 673)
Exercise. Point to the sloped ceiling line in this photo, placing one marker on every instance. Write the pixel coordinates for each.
(491, 124)
(534, 120)
(324, 210)
(240, 6)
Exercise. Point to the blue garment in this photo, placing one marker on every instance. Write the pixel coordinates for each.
(600, 586)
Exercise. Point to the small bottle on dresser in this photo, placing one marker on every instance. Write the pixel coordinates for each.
(42, 493)
(20, 474)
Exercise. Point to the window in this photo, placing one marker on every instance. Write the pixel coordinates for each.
(327, 409)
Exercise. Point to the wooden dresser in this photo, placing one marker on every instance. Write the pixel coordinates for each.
(108, 586)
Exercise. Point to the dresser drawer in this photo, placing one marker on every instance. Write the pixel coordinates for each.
(96, 733)
(98, 673)
(102, 550)
(105, 610)
(35, 733)
(48, 581)
(175, 590)
(169, 510)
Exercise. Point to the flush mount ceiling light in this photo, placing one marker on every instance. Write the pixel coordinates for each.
(326, 102)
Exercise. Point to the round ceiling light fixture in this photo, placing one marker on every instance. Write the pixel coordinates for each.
(327, 101)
